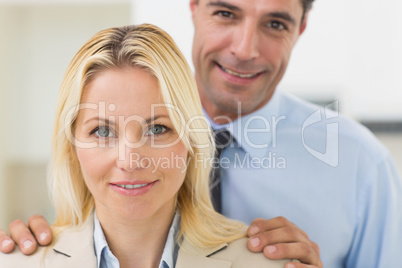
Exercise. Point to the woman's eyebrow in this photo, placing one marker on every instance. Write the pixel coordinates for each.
(110, 122)
(151, 119)
(97, 118)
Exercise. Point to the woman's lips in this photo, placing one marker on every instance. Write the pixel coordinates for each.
(132, 188)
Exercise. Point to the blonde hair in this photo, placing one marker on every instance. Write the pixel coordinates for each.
(148, 47)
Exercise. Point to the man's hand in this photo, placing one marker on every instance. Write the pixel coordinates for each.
(278, 238)
(23, 235)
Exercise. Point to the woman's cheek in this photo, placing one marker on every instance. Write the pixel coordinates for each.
(93, 161)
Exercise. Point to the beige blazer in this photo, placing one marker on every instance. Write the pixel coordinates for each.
(74, 248)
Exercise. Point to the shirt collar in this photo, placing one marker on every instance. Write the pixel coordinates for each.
(100, 242)
(170, 251)
(169, 254)
(253, 132)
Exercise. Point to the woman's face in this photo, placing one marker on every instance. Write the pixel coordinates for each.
(132, 159)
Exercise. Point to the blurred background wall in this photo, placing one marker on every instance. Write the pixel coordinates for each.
(350, 52)
(38, 40)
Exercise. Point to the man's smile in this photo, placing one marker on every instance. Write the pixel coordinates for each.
(238, 74)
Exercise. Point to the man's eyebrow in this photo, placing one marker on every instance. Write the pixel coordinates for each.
(282, 15)
(223, 4)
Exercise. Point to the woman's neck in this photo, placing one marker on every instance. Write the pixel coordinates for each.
(137, 243)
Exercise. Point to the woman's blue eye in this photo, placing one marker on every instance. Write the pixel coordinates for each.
(103, 132)
(156, 129)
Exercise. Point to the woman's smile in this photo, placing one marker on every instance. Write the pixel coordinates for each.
(134, 188)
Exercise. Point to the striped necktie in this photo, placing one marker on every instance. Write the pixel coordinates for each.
(223, 139)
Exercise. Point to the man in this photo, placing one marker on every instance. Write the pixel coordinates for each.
(322, 172)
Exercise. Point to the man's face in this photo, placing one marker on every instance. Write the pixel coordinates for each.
(241, 50)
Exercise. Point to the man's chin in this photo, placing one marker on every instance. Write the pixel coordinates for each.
(235, 105)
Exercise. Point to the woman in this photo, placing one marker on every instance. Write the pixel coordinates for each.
(128, 174)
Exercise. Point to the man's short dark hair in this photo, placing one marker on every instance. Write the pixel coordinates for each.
(307, 5)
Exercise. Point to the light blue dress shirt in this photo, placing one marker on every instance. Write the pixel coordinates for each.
(325, 173)
(106, 259)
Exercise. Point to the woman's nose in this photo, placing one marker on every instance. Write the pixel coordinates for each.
(130, 153)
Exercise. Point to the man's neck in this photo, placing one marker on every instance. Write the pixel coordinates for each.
(220, 114)
(217, 115)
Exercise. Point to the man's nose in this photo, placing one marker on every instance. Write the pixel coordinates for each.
(245, 41)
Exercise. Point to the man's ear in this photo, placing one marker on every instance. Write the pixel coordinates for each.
(304, 23)
(193, 5)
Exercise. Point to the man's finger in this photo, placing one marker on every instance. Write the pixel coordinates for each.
(300, 265)
(6, 244)
(40, 228)
(262, 225)
(302, 251)
(287, 234)
(21, 234)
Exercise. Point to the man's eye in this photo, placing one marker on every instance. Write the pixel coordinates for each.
(276, 25)
(156, 129)
(225, 14)
(103, 132)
